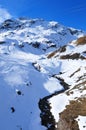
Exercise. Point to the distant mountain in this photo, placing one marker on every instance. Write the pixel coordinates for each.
(42, 76)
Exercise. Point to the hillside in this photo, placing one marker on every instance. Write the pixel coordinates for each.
(42, 76)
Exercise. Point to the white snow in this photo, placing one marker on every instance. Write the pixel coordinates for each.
(52, 85)
(58, 104)
(81, 122)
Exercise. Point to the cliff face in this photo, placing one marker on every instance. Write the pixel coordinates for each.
(42, 76)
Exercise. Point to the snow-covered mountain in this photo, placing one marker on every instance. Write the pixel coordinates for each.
(42, 76)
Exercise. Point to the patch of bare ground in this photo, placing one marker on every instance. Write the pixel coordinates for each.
(81, 77)
(81, 41)
(52, 54)
(60, 50)
(80, 87)
(67, 117)
(74, 72)
(73, 56)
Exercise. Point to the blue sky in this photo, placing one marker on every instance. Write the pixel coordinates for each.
(68, 12)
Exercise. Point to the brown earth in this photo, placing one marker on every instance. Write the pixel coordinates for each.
(67, 117)
(81, 41)
(72, 56)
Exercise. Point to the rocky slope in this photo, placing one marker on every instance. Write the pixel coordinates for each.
(42, 76)
(72, 110)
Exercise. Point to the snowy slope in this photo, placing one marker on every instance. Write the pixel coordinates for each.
(37, 64)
